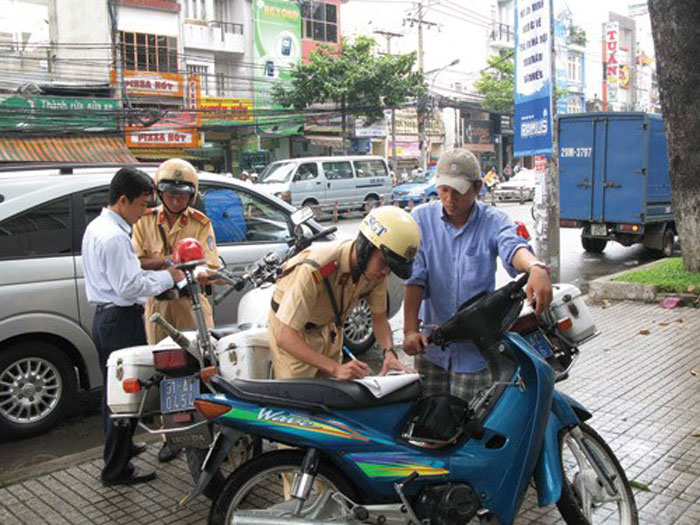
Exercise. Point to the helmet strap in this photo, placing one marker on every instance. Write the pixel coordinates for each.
(176, 214)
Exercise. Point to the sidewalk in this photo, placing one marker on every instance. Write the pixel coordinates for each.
(640, 378)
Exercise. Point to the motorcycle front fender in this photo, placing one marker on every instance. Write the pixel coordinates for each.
(566, 412)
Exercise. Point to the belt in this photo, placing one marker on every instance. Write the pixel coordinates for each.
(308, 326)
(106, 306)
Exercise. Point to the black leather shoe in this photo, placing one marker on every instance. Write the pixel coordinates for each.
(137, 475)
(138, 447)
(167, 453)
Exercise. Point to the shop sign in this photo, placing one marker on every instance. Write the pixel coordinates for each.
(323, 124)
(175, 128)
(612, 41)
(151, 84)
(194, 93)
(149, 139)
(406, 149)
(226, 111)
(361, 145)
(58, 113)
(377, 129)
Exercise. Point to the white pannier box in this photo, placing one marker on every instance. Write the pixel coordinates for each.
(245, 355)
(568, 302)
(130, 363)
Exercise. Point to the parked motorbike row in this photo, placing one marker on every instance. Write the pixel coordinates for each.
(374, 450)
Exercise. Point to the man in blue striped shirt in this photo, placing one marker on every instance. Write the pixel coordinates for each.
(460, 240)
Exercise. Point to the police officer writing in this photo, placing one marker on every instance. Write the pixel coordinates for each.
(321, 285)
(462, 239)
(154, 237)
(118, 286)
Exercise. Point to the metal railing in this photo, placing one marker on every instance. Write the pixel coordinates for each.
(230, 28)
(502, 33)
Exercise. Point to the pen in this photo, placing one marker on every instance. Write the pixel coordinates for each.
(349, 353)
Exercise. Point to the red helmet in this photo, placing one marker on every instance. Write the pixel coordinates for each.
(189, 252)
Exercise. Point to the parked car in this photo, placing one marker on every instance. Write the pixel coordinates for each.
(351, 182)
(521, 187)
(421, 189)
(46, 350)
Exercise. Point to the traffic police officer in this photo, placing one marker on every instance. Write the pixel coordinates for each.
(320, 286)
(155, 236)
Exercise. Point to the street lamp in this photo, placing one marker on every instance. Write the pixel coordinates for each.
(422, 110)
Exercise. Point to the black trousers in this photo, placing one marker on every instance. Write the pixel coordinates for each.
(112, 329)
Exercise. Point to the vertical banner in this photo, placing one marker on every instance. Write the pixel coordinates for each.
(612, 42)
(276, 47)
(533, 78)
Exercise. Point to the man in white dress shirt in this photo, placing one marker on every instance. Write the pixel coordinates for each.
(116, 284)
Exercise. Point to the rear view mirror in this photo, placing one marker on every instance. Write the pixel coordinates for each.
(302, 215)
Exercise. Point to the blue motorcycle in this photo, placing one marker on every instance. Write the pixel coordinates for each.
(375, 451)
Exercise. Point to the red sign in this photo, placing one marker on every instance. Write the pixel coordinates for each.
(151, 84)
(612, 41)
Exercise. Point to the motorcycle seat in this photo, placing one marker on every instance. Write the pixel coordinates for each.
(315, 394)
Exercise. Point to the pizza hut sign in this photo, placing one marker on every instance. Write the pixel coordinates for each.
(153, 84)
(173, 138)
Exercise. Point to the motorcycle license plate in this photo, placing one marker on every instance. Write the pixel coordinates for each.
(599, 230)
(177, 395)
(539, 342)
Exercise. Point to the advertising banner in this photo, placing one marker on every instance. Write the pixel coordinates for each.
(219, 111)
(58, 113)
(612, 41)
(406, 149)
(174, 129)
(276, 47)
(533, 82)
(379, 128)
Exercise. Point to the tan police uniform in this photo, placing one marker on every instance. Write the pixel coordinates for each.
(152, 237)
(302, 302)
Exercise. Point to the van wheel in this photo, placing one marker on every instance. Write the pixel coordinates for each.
(37, 385)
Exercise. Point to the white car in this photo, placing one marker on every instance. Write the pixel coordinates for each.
(46, 350)
(521, 187)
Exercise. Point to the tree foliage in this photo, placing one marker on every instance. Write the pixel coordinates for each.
(674, 26)
(497, 83)
(354, 78)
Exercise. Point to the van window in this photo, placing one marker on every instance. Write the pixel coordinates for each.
(41, 232)
(278, 172)
(307, 171)
(370, 168)
(337, 170)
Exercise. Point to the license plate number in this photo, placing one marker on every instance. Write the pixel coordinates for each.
(539, 342)
(599, 230)
(177, 395)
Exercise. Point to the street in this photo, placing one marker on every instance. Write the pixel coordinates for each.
(82, 429)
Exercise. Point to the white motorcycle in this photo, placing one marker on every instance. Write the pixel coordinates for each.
(147, 381)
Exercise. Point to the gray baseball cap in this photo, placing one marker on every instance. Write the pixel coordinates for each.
(458, 169)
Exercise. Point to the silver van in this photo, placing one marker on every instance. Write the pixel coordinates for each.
(351, 182)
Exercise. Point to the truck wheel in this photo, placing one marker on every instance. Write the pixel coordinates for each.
(592, 245)
(37, 385)
(667, 243)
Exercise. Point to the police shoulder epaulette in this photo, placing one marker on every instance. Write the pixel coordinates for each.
(325, 271)
(199, 216)
(150, 211)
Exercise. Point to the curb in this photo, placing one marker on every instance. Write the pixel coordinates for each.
(607, 288)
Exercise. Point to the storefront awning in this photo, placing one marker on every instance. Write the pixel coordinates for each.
(73, 150)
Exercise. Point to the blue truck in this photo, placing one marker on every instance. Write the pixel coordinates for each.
(614, 180)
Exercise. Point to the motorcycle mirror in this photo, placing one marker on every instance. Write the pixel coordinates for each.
(301, 216)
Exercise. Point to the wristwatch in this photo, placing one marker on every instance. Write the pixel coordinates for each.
(169, 262)
(537, 263)
(385, 350)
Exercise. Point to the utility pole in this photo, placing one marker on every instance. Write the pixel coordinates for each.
(547, 212)
(394, 161)
(423, 101)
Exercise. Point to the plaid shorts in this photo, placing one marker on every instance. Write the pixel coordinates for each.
(437, 380)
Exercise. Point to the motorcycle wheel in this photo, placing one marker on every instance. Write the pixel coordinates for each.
(258, 484)
(246, 448)
(584, 500)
